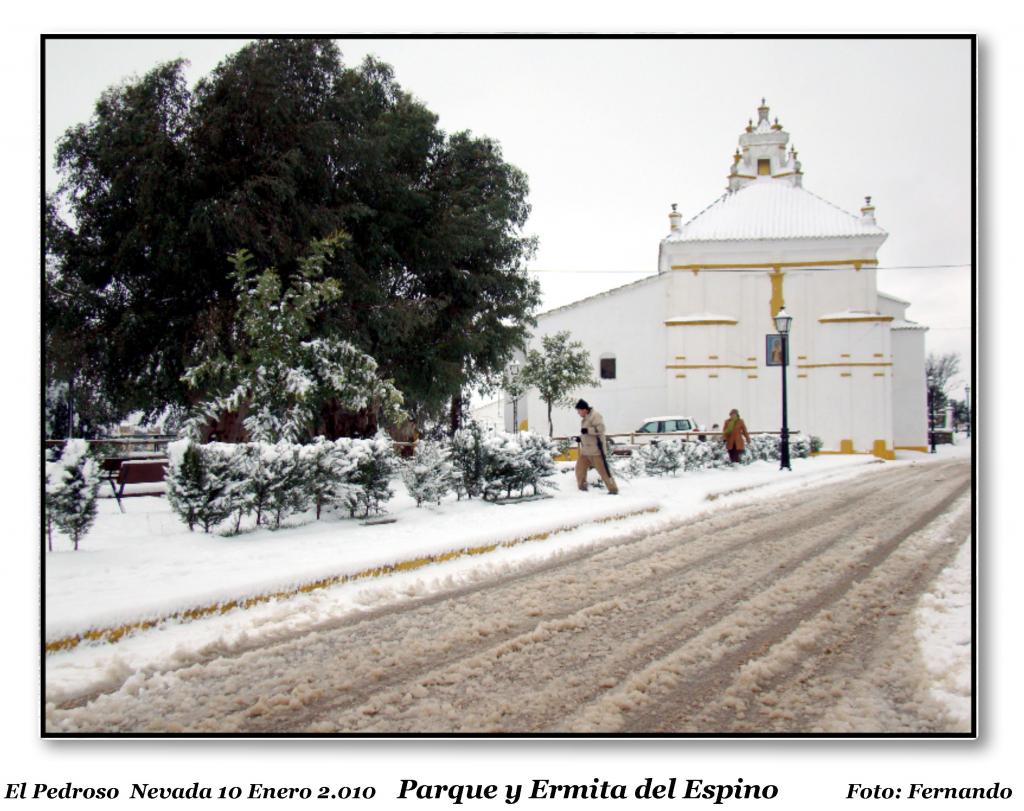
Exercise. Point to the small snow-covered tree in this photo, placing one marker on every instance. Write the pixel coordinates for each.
(557, 370)
(279, 374)
(539, 453)
(200, 484)
(428, 474)
(327, 470)
(505, 466)
(186, 480)
(72, 496)
(374, 464)
(53, 473)
(468, 459)
(289, 493)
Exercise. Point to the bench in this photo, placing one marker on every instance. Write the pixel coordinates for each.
(143, 471)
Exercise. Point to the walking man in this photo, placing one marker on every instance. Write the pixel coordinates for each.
(593, 449)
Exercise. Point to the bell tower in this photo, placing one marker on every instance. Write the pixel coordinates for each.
(762, 154)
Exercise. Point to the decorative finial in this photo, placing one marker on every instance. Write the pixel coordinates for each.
(867, 200)
(674, 206)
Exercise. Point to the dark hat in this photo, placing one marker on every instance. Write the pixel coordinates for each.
(583, 404)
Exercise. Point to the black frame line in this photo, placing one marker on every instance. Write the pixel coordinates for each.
(547, 36)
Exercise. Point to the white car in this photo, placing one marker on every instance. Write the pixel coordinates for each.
(652, 430)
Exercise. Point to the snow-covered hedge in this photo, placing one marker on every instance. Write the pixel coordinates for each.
(208, 484)
(72, 480)
(668, 457)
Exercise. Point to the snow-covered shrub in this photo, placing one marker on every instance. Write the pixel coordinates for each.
(815, 444)
(199, 484)
(374, 463)
(428, 474)
(761, 448)
(705, 455)
(468, 459)
(563, 446)
(633, 465)
(53, 474)
(287, 472)
(71, 485)
(506, 467)
(327, 469)
(662, 458)
(539, 453)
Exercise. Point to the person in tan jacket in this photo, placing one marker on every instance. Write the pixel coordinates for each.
(734, 433)
(593, 449)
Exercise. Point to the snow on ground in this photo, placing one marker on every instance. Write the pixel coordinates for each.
(145, 564)
(944, 633)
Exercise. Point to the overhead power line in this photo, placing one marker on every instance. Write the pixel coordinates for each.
(653, 272)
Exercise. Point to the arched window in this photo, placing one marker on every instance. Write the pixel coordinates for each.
(607, 367)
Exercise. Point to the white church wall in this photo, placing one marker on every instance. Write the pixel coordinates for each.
(910, 391)
(629, 324)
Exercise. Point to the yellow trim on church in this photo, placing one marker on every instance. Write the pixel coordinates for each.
(878, 449)
(705, 323)
(707, 366)
(778, 265)
(854, 318)
(824, 365)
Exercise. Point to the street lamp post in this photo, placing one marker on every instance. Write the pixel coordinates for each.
(783, 321)
(515, 398)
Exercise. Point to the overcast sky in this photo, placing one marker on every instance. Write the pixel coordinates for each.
(612, 132)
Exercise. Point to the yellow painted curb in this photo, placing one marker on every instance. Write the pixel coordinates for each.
(113, 635)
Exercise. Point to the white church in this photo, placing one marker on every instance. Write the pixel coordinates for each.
(691, 341)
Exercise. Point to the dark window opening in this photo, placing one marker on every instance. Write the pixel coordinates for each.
(607, 368)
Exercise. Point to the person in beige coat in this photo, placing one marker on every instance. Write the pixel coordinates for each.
(593, 449)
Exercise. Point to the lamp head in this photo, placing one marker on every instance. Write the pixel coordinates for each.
(783, 320)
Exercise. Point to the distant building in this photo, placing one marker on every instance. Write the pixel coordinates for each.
(692, 339)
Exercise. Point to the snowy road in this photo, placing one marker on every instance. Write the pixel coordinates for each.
(788, 615)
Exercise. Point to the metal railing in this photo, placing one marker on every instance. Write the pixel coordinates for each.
(686, 436)
(125, 446)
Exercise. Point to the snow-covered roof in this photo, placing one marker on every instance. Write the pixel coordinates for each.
(889, 297)
(899, 323)
(770, 209)
(613, 291)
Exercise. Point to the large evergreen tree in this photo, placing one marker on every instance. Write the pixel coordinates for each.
(280, 145)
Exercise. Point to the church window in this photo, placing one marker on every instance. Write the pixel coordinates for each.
(607, 367)
(764, 166)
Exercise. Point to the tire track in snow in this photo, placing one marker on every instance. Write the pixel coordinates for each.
(803, 652)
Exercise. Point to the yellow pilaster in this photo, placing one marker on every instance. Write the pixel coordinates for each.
(777, 300)
(882, 452)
